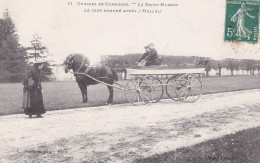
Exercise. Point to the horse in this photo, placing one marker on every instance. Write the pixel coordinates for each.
(80, 64)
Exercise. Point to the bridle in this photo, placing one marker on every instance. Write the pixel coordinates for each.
(70, 62)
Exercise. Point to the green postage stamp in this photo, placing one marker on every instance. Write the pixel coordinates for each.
(242, 21)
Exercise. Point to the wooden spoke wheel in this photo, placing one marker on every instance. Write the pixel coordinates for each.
(188, 88)
(157, 89)
(171, 86)
(138, 90)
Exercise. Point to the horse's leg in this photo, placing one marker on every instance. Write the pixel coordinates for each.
(86, 93)
(82, 89)
(110, 98)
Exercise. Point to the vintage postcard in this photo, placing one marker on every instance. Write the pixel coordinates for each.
(129, 81)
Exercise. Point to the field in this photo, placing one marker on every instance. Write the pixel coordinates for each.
(66, 95)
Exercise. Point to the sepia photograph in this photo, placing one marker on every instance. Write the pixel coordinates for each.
(142, 81)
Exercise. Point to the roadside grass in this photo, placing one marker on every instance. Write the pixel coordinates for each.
(241, 147)
(66, 95)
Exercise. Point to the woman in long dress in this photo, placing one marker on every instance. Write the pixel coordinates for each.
(32, 92)
(242, 31)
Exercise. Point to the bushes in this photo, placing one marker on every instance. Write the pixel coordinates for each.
(6, 77)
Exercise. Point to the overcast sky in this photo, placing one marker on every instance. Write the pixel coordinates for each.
(192, 28)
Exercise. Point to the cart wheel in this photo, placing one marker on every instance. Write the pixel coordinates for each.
(189, 88)
(138, 90)
(171, 87)
(157, 88)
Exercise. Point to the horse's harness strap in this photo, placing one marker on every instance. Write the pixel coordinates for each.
(82, 64)
(86, 71)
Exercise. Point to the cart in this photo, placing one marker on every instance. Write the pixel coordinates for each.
(183, 85)
(143, 85)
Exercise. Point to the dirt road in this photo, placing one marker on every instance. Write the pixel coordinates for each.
(122, 133)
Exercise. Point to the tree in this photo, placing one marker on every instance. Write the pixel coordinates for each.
(230, 64)
(7, 26)
(208, 67)
(39, 51)
(115, 61)
(12, 56)
(249, 65)
(46, 72)
(258, 66)
(220, 66)
(38, 48)
(237, 66)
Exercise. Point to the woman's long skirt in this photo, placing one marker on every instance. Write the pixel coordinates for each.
(33, 102)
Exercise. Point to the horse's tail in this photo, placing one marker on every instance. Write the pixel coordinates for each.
(115, 76)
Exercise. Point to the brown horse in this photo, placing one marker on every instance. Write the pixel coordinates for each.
(80, 64)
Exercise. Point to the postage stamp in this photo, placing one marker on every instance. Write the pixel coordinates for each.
(242, 21)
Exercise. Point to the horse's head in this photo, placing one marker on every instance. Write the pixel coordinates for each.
(68, 63)
(74, 61)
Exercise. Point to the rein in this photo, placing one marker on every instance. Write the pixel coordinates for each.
(78, 73)
(118, 87)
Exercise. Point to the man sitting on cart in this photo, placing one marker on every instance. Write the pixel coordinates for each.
(150, 57)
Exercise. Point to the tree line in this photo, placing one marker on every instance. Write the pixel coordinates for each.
(129, 61)
(13, 56)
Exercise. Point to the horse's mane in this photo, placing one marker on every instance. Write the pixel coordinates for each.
(77, 58)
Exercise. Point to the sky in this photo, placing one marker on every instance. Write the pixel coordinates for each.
(192, 28)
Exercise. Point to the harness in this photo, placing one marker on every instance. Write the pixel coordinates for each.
(78, 74)
(82, 64)
(78, 70)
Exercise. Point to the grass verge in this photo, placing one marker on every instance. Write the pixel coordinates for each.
(240, 147)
